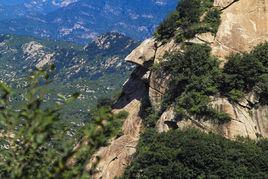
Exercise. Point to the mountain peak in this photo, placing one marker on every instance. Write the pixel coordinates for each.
(111, 43)
(111, 39)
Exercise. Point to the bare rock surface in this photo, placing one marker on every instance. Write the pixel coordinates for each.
(143, 54)
(223, 3)
(244, 25)
(117, 156)
(246, 122)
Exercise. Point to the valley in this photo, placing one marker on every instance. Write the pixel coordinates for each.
(89, 70)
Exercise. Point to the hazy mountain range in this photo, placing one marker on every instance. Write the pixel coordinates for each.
(82, 20)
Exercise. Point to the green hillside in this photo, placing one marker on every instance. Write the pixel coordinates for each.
(89, 70)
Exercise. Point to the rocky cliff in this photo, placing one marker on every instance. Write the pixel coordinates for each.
(244, 25)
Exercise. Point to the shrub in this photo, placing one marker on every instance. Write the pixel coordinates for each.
(193, 154)
(37, 143)
(122, 115)
(194, 79)
(196, 76)
(189, 11)
(235, 95)
(168, 27)
(104, 102)
(260, 53)
(33, 149)
(263, 89)
(150, 117)
(213, 20)
(243, 72)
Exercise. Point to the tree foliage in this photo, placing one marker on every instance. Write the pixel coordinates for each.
(193, 154)
(246, 72)
(190, 18)
(36, 143)
(195, 75)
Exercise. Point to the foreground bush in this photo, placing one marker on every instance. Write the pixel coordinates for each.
(35, 142)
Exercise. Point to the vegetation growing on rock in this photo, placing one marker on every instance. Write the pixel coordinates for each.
(190, 153)
(196, 77)
(190, 18)
(247, 72)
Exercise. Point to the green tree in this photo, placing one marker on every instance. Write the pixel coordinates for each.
(192, 154)
(262, 89)
(190, 18)
(167, 28)
(195, 74)
(244, 72)
(34, 139)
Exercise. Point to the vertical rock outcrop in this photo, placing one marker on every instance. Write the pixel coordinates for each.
(118, 154)
(244, 25)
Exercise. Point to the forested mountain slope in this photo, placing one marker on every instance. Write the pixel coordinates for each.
(89, 69)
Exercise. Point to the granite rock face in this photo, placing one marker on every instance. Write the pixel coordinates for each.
(144, 54)
(223, 3)
(244, 25)
(246, 121)
(118, 154)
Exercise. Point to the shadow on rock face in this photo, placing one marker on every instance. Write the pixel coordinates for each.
(135, 88)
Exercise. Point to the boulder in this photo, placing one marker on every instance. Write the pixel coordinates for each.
(144, 54)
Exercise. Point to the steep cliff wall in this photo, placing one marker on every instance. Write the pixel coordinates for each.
(244, 25)
(117, 156)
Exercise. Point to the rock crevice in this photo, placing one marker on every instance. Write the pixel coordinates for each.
(224, 4)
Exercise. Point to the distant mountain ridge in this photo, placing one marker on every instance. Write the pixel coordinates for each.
(56, 3)
(13, 2)
(82, 20)
(29, 9)
(90, 69)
